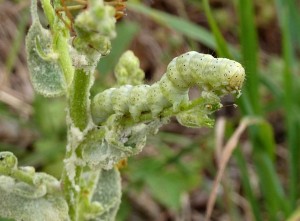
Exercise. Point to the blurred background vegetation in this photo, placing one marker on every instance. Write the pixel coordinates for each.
(173, 177)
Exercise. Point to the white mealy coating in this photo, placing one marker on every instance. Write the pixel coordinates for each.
(218, 75)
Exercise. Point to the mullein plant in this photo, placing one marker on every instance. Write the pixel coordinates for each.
(112, 126)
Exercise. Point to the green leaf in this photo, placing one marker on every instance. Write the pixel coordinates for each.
(21, 201)
(166, 183)
(169, 186)
(46, 75)
(108, 194)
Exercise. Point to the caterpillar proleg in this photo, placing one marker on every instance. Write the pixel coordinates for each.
(218, 76)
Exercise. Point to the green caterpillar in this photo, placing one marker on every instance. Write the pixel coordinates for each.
(219, 76)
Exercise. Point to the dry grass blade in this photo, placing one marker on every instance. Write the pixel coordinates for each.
(219, 131)
(226, 154)
(15, 102)
(15, 86)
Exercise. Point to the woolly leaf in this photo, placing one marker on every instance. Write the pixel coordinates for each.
(23, 202)
(117, 144)
(46, 75)
(108, 194)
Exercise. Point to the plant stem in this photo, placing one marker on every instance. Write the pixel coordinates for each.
(49, 12)
(79, 99)
(60, 41)
(61, 46)
(79, 117)
(168, 112)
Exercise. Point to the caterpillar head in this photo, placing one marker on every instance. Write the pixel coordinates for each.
(230, 77)
(234, 75)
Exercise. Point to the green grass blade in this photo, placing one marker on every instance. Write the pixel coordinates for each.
(222, 48)
(17, 42)
(294, 21)
(246, 185)
(183, 26)
(275, 200)
(248, 37)
(292, 123)
(245, 105)
(273, 191)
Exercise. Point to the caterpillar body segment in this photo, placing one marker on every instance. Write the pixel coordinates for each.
(219, 74)
(214, 76)
(120, 99)
(157, 97)
(102, 106)
(138, 101)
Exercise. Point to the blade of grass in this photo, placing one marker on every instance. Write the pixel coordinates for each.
(294, 21)
(248, 37)
(183, 26)
(263, 146)
(273, 191)
(17, 42)
(181, 9)
(246, 106)
(292, 124)
(246, 184)
(222, 48)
